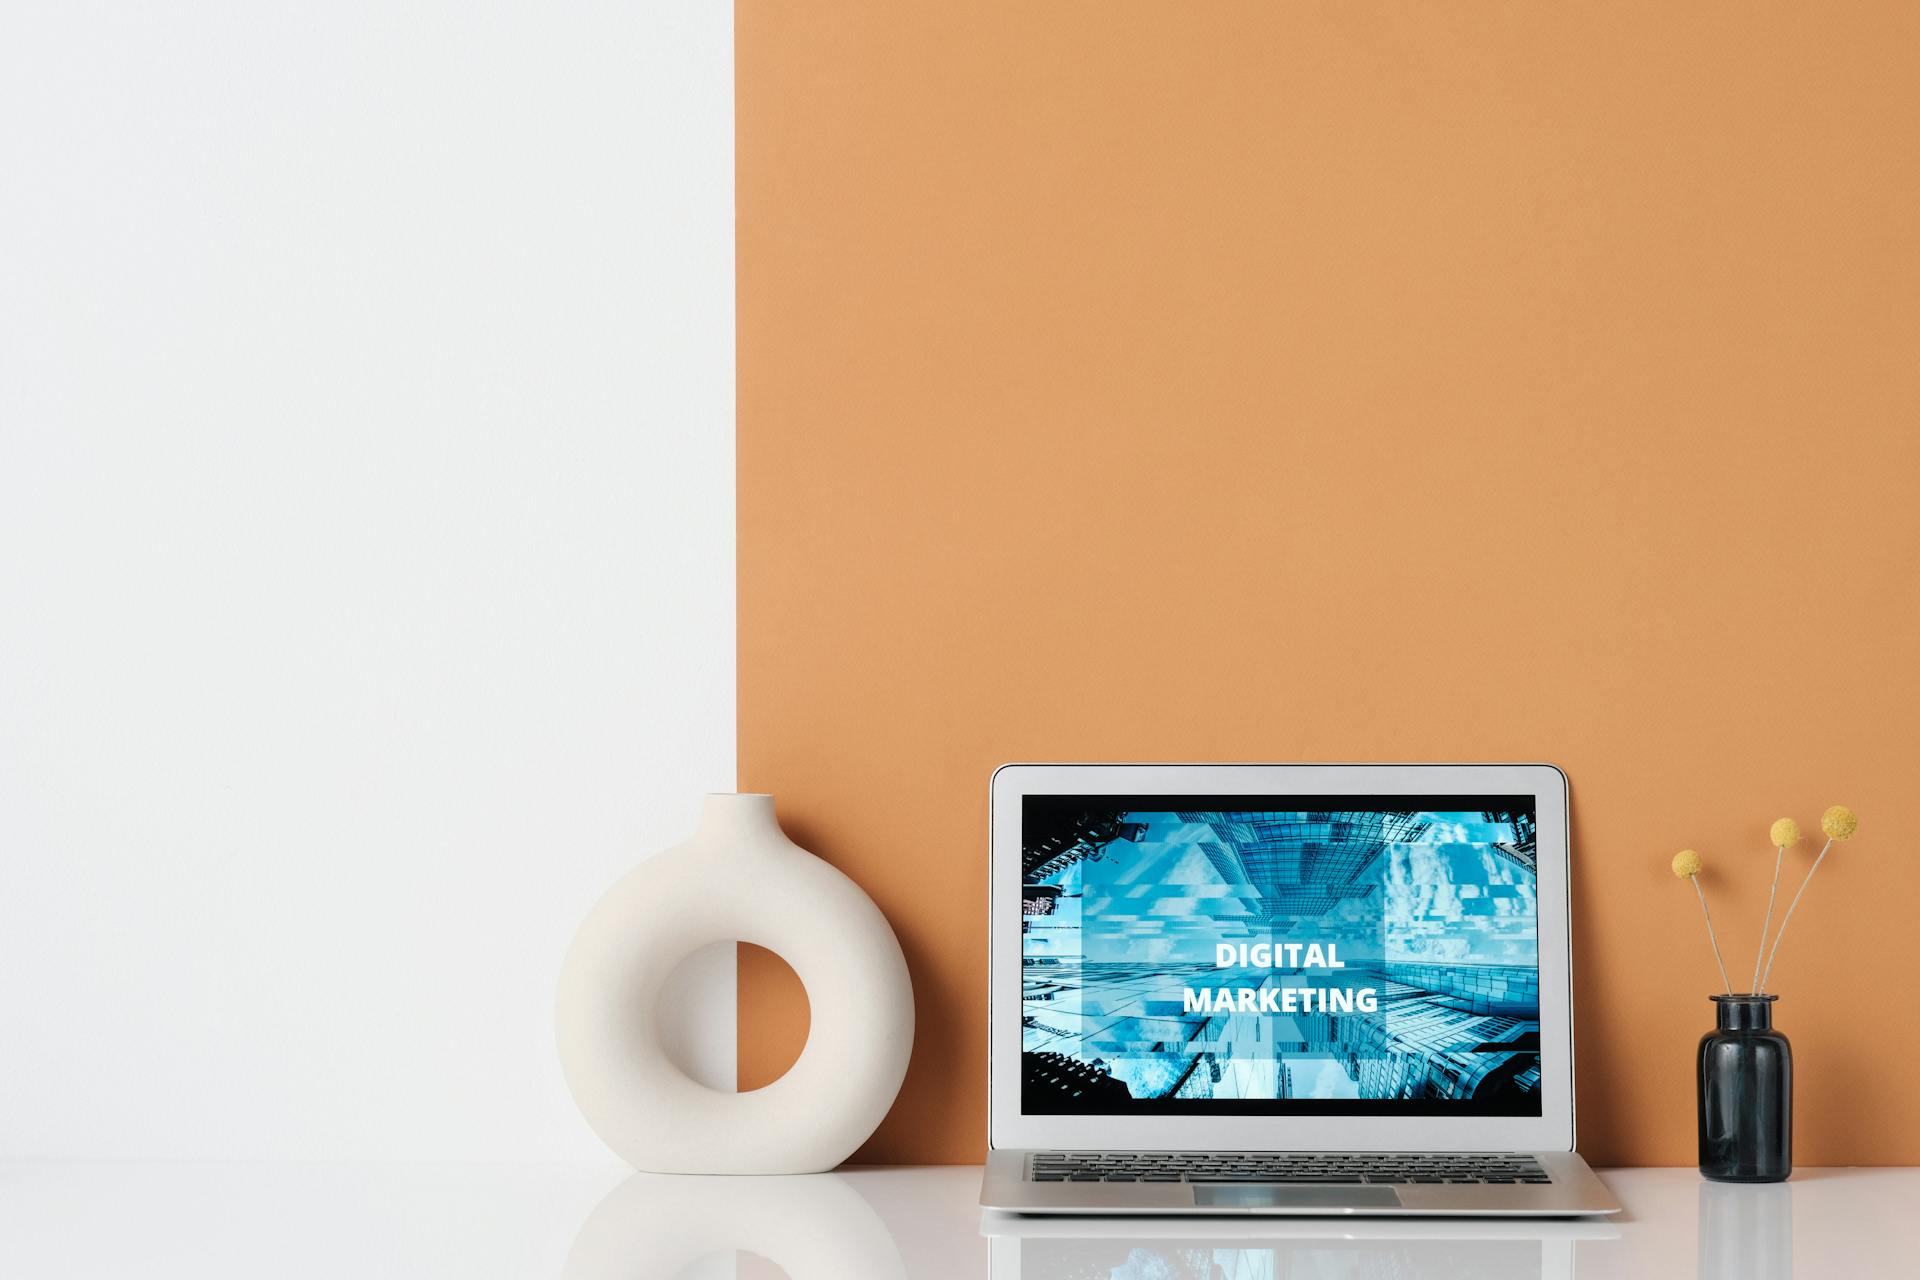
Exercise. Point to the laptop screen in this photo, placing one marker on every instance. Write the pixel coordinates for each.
(1279, 955)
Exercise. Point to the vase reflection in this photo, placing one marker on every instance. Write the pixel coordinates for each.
(670, 1227)
(1746, 1231)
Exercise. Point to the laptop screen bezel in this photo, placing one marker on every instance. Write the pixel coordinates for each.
(1010, 1128)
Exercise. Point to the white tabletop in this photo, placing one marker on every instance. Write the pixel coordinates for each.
(239, 1220)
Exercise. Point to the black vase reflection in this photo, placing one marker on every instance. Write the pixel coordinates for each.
(1745, 1094)
(1746, 1233)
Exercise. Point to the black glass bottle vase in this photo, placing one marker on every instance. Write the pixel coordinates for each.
(1746, 1094)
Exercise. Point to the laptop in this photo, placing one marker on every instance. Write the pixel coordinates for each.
(1282, 989)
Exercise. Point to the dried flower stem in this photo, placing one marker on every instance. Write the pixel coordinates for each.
(1779, 856)
(1727, 982)
(1767, 973)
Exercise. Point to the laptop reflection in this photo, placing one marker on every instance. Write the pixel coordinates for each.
(1025, 1248)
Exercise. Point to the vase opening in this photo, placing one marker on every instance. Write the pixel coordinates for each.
(740, 815)
(1744, 1011)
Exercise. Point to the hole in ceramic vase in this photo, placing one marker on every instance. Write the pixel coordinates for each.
(695, 1017)
(773, 1018)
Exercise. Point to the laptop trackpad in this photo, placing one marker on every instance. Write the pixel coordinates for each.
(1263, 1196)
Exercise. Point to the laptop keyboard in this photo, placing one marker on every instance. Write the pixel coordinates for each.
(1284, 1166)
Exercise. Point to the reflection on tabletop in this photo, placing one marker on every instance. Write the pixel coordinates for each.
(807, 1226)
(924, 1223)
(218, 1221)
(1746, 1231)
(1285, 1248)
(826, 1226)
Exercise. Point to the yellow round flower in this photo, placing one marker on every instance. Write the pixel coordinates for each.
(1839, 823)
(1784, 832)
(1686, 863)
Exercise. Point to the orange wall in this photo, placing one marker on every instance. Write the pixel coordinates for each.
(1323, 381)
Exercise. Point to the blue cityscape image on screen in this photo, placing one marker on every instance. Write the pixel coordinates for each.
(1280, 955)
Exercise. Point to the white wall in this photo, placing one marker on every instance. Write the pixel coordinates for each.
(366, 555)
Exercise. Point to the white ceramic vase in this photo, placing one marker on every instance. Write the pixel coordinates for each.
(738, 879)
